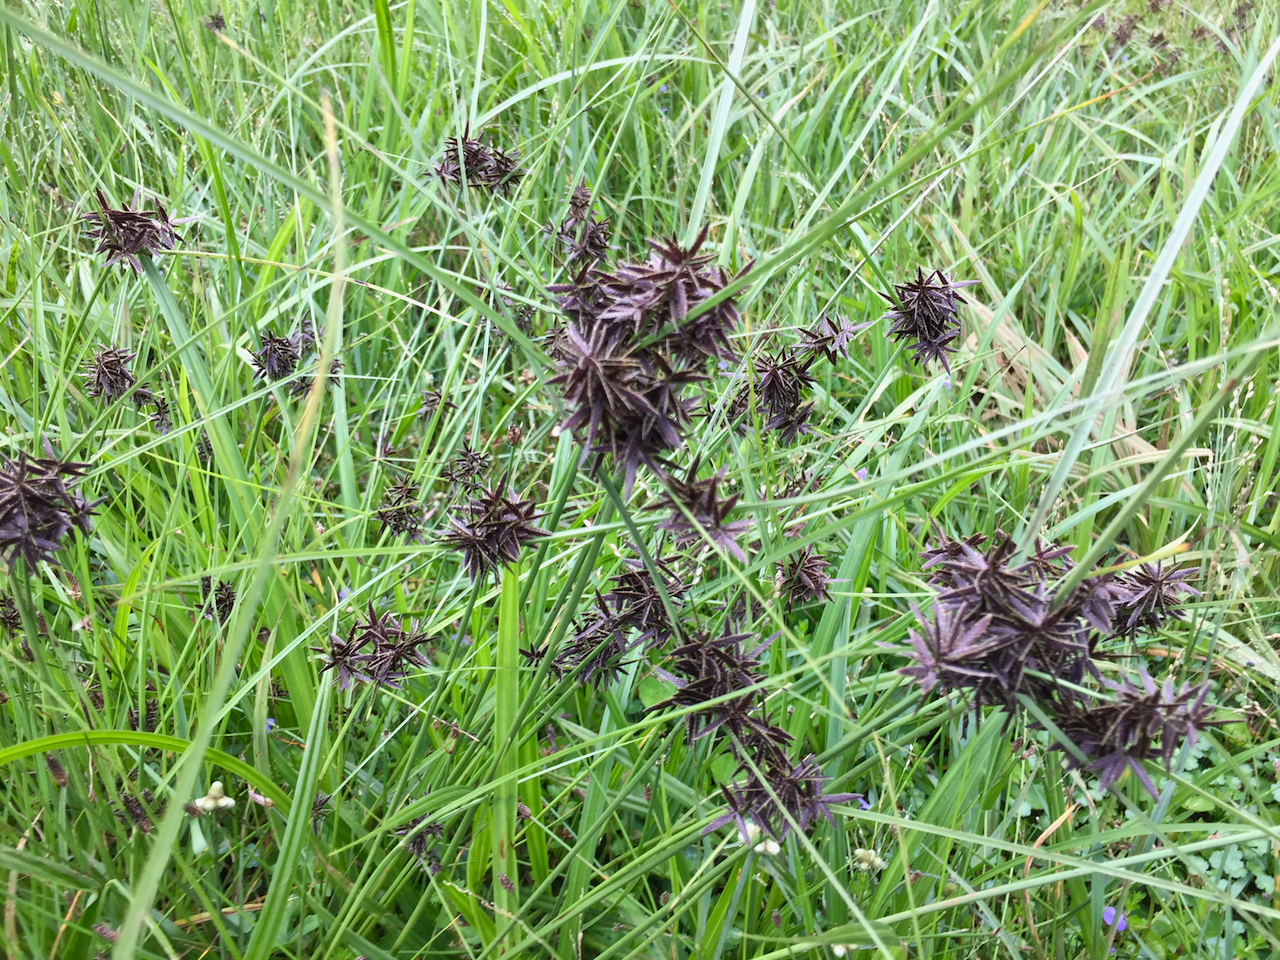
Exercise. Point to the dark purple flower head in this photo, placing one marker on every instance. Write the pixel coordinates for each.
(697, 511)
(143, 398)
(1150, 594)
(1141, 723)
(107, 375)
(644, 437)
(346, 660)
(791, 424)
(778, 387)
(480, 164)
(160, 418)
(304, 337)
(950, 651)
(781, 796)
(803, 578)
(635, 602)
(417, 836)
(301, 386)
(947, 550)
(401, 513)
(988, 580)
(581, 299)
(623, 403)
(658, 295)
(504, 173)
(924, 314)
(215, 23)
(830, 338)
(276, 359)
(584, 238)
(707, 669)
(580, 199)
(38, 507)
(319, 810)
(463, 154)
(1093, 601)
(204, 448)
(1123, 31)
(378, 648)
(219, 600)
(491, 531)
(124, 234)
(394, 647)
(10, 618)
(137, 810)
(467, 466)
(596, 649)
(431, 402)
(602, 381)
(1037, 646)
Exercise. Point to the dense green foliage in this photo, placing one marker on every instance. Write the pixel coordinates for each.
(1109, 183)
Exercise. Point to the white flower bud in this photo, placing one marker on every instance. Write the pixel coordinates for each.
(215, 799)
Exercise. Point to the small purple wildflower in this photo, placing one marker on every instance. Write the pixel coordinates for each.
(1113, 919)
(862, 802)
(663, 88)
(861, 473)
(344, 593)
(271, 724)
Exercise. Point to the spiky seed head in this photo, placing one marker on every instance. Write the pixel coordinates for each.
(39, 507)
(924, 313)
(107, 376)
(276, 359)
(125, 234)
(697, 511)
(491, 530)
(804, 578)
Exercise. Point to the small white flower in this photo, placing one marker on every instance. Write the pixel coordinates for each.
(867, 860)
(215, 799)
(839, 949)
(768, 847)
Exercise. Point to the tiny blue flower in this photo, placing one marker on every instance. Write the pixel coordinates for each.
(861, 473)
(1113, 919)
(271, 724)
(663, 88)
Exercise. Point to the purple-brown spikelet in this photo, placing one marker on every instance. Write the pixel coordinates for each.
(107, 376)
(127, 233)
(276, 359)
(491, 529)
(698, 511)
(924, 314)
(39, 507)
(781, 796)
